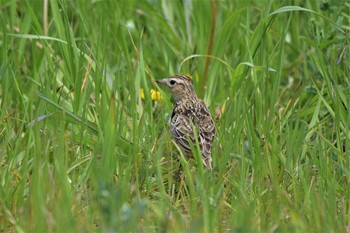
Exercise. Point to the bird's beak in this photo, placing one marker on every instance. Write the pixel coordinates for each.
(162, 81)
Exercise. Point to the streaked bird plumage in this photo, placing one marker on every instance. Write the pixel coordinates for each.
(190, 113)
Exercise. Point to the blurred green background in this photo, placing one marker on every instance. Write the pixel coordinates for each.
(85, 144)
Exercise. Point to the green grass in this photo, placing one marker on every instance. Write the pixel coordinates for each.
(81, 151)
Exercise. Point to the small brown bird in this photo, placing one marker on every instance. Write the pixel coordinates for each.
(190, 112)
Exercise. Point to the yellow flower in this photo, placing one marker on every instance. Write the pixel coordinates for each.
(142, 94)
(155, 95)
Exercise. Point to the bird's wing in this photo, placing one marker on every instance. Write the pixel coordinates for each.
(182, 124)
(206, 130)
(181, 129)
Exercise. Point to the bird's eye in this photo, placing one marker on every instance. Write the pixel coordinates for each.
(172, 82)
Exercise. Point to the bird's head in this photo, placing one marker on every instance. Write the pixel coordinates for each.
(181, 86)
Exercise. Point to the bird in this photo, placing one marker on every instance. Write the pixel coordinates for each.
(190, 113)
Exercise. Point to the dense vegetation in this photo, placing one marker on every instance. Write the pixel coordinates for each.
(85, 143)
